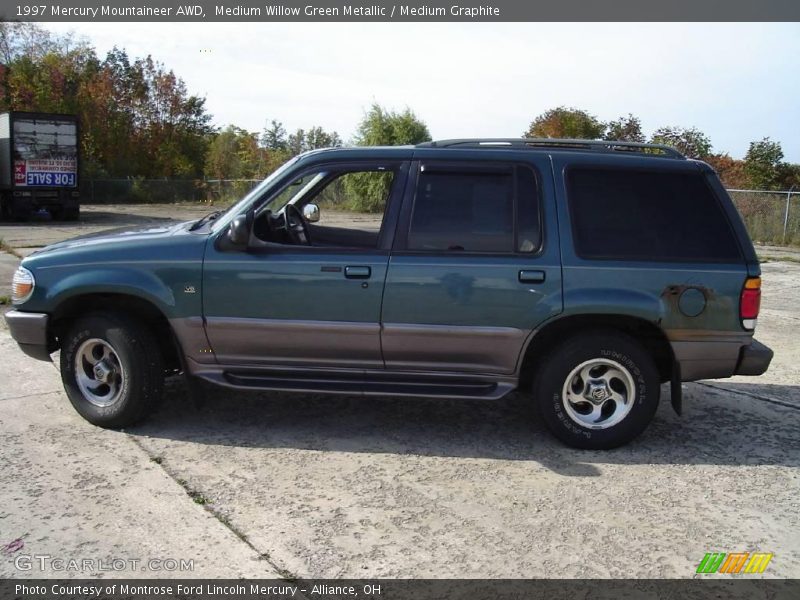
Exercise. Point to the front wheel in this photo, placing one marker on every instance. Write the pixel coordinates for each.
(598, 390)
(112, 370)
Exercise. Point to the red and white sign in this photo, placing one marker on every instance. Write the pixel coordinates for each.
(52, 172)
(19, 172)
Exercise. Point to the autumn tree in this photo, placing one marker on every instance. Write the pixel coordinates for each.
(731, 172)
(625, 129)
(137, 117)
(234, 153)
(690, 141)
(564, 122)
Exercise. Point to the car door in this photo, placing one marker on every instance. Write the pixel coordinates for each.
(307, 305)
(475, 266)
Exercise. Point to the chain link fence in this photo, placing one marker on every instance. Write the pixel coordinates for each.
(772, 217)
(138, 190)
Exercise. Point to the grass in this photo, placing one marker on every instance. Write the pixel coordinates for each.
(4, 247)
(197, 497)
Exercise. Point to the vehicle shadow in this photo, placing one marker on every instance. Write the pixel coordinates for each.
(718, 427)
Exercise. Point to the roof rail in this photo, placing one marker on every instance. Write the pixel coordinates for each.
(562, 144)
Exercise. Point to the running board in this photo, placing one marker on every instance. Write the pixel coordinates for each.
(362, 383)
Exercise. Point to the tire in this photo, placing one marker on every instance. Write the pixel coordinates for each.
(62, 213)
(598, 390)
(130, 380)
(5, 208)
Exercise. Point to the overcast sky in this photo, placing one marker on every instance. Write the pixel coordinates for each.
(735, 82)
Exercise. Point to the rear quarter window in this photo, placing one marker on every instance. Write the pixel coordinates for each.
(623, 214)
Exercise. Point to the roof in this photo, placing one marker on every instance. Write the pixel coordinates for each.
(606, 146)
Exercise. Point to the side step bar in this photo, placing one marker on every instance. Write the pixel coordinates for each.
(362, 383)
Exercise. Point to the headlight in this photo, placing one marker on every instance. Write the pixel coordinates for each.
(22, 285)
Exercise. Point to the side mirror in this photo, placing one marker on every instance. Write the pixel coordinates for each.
(311, 213)
(239, 231)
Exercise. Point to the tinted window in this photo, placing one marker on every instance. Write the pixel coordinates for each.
(473, 211)
(641, 215)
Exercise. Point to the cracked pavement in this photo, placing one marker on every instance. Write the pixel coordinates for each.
(269, 485)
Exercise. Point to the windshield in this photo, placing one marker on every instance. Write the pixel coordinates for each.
(256, 192)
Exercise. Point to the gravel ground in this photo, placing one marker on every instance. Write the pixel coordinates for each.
(265, 484)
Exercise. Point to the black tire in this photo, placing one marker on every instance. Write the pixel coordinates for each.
(62, 213)
(5, 208)
(596, 348)
(139, 382)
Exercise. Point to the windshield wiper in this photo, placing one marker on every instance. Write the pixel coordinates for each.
(203, 220)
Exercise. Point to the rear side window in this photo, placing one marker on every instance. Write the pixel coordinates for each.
(647, 215)
(473, 210)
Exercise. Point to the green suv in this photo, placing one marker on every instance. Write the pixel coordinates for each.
(584, 274)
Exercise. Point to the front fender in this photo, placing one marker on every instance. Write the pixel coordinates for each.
(129, 281)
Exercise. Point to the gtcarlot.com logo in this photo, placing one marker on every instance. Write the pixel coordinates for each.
(47, 562)
(734, 562)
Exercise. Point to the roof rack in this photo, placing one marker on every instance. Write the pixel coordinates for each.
(562, 144)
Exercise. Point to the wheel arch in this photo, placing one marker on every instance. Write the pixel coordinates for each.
(650, 335)
(142, 310)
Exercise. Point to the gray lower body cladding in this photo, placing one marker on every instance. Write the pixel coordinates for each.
(29, 330)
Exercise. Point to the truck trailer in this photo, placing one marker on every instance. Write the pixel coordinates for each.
(39, 165)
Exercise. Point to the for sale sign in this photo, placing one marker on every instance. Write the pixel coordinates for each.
(48, 172)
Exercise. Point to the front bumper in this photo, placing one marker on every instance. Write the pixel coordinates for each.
(29, 330)
(754, 359)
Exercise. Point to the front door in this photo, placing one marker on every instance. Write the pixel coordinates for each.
(287, 303)
(472, 272)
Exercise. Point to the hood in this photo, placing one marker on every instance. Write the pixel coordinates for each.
(118, 236)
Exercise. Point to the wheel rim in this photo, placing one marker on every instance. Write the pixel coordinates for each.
(598, 393)
(99, 372)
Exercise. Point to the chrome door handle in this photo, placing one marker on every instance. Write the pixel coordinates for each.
(357, 272)
(528, 276)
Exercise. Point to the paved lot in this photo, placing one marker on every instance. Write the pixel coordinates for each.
(270, 484)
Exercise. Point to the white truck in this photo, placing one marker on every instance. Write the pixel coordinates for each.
(39, 165)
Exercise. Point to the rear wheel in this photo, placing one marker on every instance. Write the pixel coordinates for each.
(598, 390)
(63, 213)
(112, 370)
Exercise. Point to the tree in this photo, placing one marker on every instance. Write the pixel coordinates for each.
(137, 117)
(382, 127)
(763, 163)
(731, 171)
(625, 129)
(317, 137)
(274, 136)
(234, 154)
(564, 122)
(691, 142)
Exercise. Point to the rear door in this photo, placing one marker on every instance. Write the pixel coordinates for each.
(475, 266)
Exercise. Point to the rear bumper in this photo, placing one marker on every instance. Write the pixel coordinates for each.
(720, 358)
(754, 359)
(29, 330)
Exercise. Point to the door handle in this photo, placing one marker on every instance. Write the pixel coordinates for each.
(357, 272)
(528, 276)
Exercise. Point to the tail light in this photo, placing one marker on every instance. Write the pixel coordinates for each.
(750, 302)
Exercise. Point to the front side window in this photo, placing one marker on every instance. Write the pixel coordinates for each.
(348, 208)
(475, 210)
